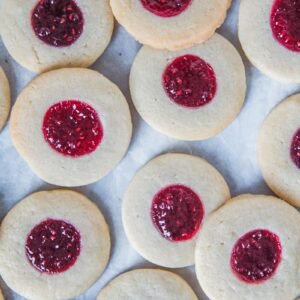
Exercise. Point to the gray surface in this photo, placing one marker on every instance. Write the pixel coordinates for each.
(233, 152)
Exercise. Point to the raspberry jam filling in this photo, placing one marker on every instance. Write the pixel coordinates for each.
(189, 81)
(53, 246)
(166, 8)
(177, 213)
(285, 23)
(256, 256)
(58, 23)
(295, 149)
(72, 128)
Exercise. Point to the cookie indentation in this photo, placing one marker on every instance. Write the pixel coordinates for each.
(256, 256)
(177, 213)
(189, 81)
(166, 8)
(72, 128)
(295, 149)
(53, 246)
(285, 23)
(58, 23)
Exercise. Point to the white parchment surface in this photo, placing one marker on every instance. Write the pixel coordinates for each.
(233, 152)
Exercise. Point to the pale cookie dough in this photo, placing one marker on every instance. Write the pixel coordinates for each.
(71, 207)
(159, 111)
(4, 98)
(145, 284)
(274, 150)
(164, 171)
(260, 45)
(226, 226)
(36, 55)
(195, 24)
(51, 88)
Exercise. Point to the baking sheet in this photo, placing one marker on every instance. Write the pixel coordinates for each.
(233, 152)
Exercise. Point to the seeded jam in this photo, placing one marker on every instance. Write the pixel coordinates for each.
(58, 23)
(72, 128)
(285, 23)
(295, 149)
(256, 256)
(189, 81)
(53, 246)
(177, 213)
(166, 8)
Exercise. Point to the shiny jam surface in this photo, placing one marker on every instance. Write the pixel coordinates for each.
(295, 149)
(53, 246)
(285, 23)
(256, 256)
(189, 81)
(177, 212)
(58, 23)
(166, 8)
(72, 128)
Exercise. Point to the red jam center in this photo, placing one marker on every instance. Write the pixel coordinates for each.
(58, 23)
(256, 256)
(190, 81)
(177, 213)
(53, 246)
(72, 128)
(285, 23)
(166, 8)
(295, 149)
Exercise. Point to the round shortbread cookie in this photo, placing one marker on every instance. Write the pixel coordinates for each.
(1, 295)
(249, 249)
(47, 34)
(4, 98)
(53, 245)
(145, 284)
(171, 24)
(168, 200)
(72, 126)
(279, 150)
(191, 94)
(270, 36)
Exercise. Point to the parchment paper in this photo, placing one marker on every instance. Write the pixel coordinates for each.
(233, 151)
